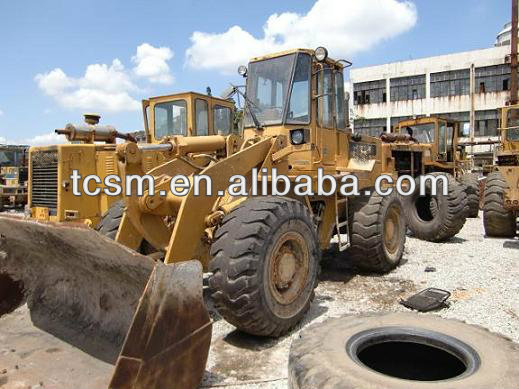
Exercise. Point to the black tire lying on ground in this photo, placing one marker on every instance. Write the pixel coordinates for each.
(377, 230)
(498, 221)
(472, 190)
(401, 351)
(109, 225)
(265, 263)
(436, 218)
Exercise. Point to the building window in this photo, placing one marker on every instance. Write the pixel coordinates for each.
(407, 88)
(451, 83)
(371, 92)
(493, 78)
(486, 123)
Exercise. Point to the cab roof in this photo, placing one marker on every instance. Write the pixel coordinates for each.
(189, 94)
(293, 51)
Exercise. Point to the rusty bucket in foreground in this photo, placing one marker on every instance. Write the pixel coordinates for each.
(113, 303)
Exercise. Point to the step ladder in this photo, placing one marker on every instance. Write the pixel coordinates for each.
(343, 238)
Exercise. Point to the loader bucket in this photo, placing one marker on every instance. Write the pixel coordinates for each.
(169, 339)
(97, 294)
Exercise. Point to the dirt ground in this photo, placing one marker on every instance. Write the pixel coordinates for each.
(482, 274)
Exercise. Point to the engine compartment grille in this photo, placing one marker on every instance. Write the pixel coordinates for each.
(44, 178)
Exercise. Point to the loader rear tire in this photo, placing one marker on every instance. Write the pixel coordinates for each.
(472, 190)
(401, 351)
(265, 263)
(377, 230)
(109, 225)
(436, 218)
(498, 221)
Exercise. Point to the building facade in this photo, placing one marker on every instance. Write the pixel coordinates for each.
(468, 87)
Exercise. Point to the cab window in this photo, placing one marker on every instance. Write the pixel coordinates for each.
(512, 132)
(201, 117)
(339, 100)
(299, 105)
(442, 146)
(325, 105)
(222, 120)
(170, 118)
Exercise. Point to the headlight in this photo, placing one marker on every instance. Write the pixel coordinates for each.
(242, 71)
(321, 54)
(297, 137)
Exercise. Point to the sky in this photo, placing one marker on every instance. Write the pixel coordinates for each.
(60, 58)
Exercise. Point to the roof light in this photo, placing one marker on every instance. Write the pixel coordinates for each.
(321, 54)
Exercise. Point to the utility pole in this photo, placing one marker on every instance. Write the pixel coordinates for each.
(514, 65)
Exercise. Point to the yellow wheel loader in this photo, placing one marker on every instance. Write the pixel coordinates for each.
(92, 152)
(429, 145)
(258, 236)
(501, 196)
(13, 176)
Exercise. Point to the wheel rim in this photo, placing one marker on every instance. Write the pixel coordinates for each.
(289, 268)
(392, 228)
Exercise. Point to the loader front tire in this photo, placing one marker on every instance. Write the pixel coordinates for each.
(440, 217)
(377, 229)
(498, 221)
(109, 225)
(472, 190)
(265, 263)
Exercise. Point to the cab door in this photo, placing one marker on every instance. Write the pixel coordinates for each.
(442, 140)
(326, 118)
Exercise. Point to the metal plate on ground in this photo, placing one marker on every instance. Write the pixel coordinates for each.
(427, 300)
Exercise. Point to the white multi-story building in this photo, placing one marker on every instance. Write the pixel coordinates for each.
(468, 87)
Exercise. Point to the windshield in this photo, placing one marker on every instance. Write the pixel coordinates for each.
(170, 118)
(267, 90)
(423, 133)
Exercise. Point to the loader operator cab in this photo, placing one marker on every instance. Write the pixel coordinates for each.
(187, 114)
(441, 134)
(299, 94)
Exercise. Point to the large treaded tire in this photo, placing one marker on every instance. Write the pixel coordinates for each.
(241, 259)
(109, 225)
(442, 223)
(472, 190)
(111, 219)
(498, 221)
(367, 216)
(323, 356)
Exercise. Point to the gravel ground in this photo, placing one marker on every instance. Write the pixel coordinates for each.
(481, 273)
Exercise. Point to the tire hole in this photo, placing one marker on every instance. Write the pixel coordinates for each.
(424, 208)
(412, 361)
(413, 354)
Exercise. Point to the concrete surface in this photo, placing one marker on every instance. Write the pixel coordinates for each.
(481, 273)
